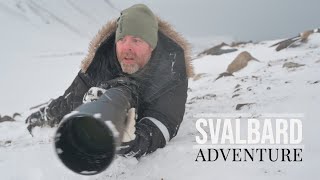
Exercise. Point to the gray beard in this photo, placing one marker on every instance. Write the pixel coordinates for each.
(129, 68)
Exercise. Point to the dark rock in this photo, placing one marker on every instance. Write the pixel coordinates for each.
(294, 41)
(237, 90)
(216, 50)
(224, 74)
(239, 106)
(285, 44)
(209, 96)
(205, 97)
(235, 95)
(238, 85)
(6, 118)
(291, 65)
(235, 44)
(314, 82)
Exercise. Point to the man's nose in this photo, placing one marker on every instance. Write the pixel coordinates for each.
(127, 45)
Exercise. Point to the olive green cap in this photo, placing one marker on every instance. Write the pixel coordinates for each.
(139, 21)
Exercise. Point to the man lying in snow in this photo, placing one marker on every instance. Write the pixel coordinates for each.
(140, 46)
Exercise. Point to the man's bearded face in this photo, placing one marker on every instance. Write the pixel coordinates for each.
(133, 53)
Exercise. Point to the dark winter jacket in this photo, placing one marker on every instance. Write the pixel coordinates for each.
(163, 86)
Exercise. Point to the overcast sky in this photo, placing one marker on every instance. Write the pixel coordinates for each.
(242, 19)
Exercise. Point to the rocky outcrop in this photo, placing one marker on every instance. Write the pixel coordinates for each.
(292, 42)
(8, 118)
(218, 50)
(240, 62)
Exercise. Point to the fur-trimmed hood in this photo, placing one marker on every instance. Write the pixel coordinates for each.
(111, 27)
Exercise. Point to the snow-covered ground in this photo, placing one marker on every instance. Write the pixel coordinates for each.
(37, 67)
(273, 89)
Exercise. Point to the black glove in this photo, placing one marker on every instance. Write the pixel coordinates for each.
(95, 92)
(130, 83)
(39, 118)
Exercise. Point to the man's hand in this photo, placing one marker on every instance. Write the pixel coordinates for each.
(36, 119)
(130, 129)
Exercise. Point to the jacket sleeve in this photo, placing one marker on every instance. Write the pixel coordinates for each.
(160, 123)
(71, 99)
